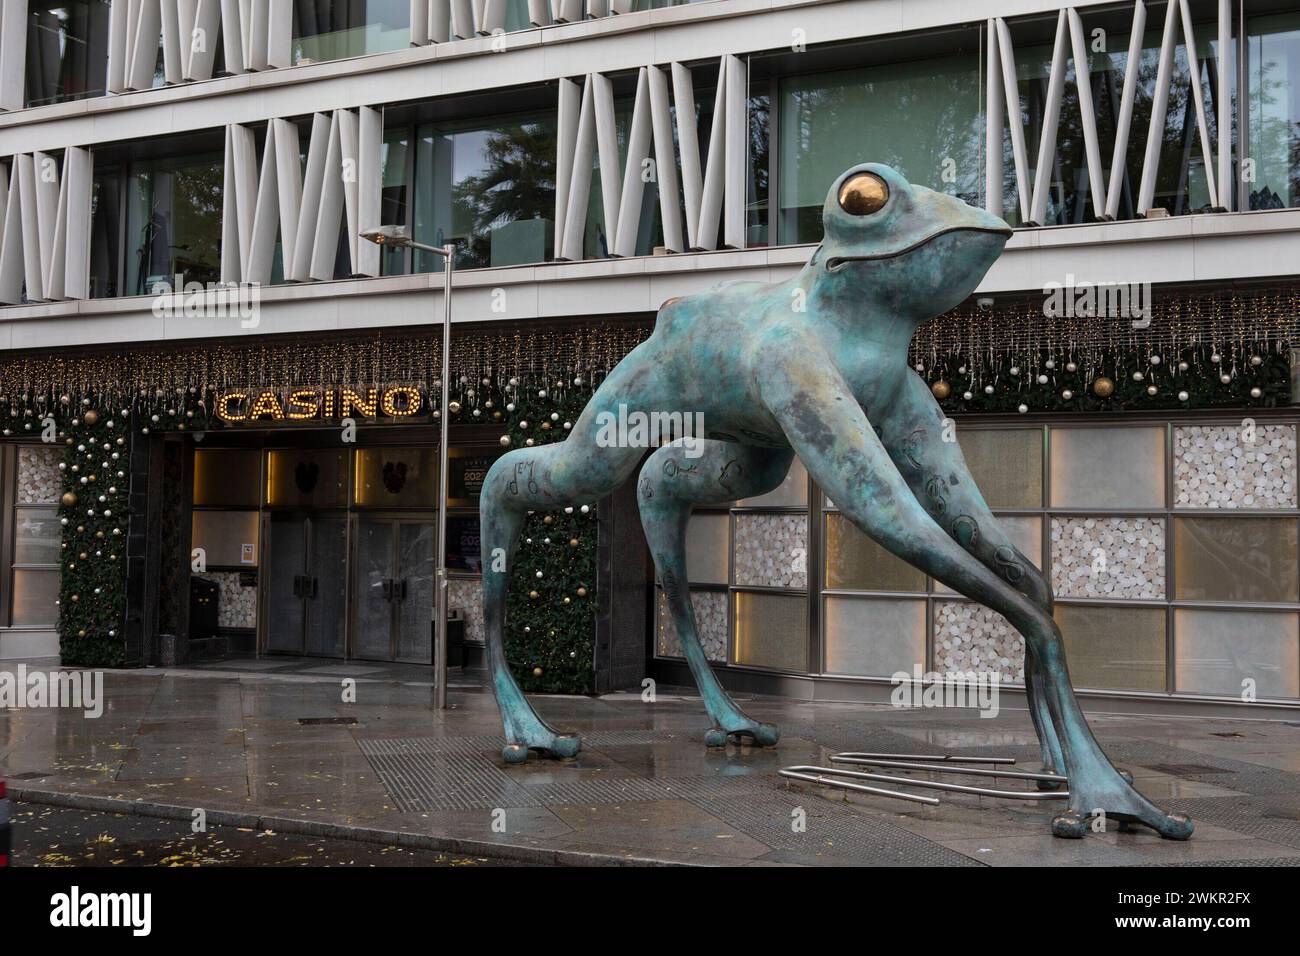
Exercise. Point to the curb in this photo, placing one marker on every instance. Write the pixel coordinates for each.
(260, 821)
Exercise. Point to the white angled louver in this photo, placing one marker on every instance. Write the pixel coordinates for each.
(45, 226)
(714, 193)
(341, 183)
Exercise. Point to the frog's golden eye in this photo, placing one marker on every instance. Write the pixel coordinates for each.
(863, 194)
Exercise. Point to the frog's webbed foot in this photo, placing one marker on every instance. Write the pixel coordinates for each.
(743, 731)
(1100, 794)
(673, 480)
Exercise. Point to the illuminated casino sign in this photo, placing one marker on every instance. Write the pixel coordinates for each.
(320, 404)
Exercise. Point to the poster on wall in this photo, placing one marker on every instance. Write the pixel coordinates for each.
(466, 477)
(463, 552)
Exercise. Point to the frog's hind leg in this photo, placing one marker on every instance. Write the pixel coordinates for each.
(677, 477)
(572, 472)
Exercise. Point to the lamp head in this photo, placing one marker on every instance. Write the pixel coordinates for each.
(387, 236)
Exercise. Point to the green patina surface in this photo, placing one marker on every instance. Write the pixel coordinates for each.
(815, 366)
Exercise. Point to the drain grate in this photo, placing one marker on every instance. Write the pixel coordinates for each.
(1271, 818)
(1185, 769)
(420, 781)
(315, 721)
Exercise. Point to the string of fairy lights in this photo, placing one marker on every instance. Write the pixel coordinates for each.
(1189, 349)
(179, 387)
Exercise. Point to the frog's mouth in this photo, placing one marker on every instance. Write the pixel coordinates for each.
(834, 263)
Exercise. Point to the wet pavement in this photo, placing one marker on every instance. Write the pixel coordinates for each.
(271, 739)
(46, 836)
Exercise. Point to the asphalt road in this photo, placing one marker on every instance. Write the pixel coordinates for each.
(57, 836)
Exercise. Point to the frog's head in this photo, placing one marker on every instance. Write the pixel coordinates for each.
(914, 250)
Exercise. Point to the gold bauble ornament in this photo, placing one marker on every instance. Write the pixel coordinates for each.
(574, 542)
(537, 672)
(1103, 387)
(941, 390)
(81, 633)
(91, 417)
(549, 519)
(582, 592)
(534, 595)
(453, 407)
(69, 499)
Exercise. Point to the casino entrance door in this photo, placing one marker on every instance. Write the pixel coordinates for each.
(344, 564)
(355, 581)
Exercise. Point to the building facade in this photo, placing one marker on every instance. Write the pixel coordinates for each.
(220, 404)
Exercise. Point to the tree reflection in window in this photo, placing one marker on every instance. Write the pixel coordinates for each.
(489, 189)
(174, 211)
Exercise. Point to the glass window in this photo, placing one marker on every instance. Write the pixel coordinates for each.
(228, 538)
(37, 534)
(771, 630)
(333, 29)
(490, 189)
(760, 142)
(105, 233)
(1114, 648)
(393, 196)
(173, 222)
(856, 563)
(1230, 652)
(35, 594)
(708, 540)
(1108, 467)
(32, 517)
(1236, 559)
(39, 480)
(872, 637)
(914, 116)
(1007, 464)
(67, 50)
(970, 637)
(306, 479)
(771, 550)
(1274, 110)
(710, 624)
(397, 477)
(227, 477)
(464, 544)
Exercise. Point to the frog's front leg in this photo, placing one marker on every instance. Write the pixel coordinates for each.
(674, 479)
(922, 443)
(803, 389)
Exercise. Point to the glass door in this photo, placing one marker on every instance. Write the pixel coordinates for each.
(306, 601)
(394, 589)
(417, 541)
(372, 635)
(286, 557)
(325, 585)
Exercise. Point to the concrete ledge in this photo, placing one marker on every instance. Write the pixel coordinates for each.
(401, 838)
(1189, 249)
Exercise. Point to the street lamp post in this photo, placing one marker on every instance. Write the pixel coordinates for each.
(397, 237)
